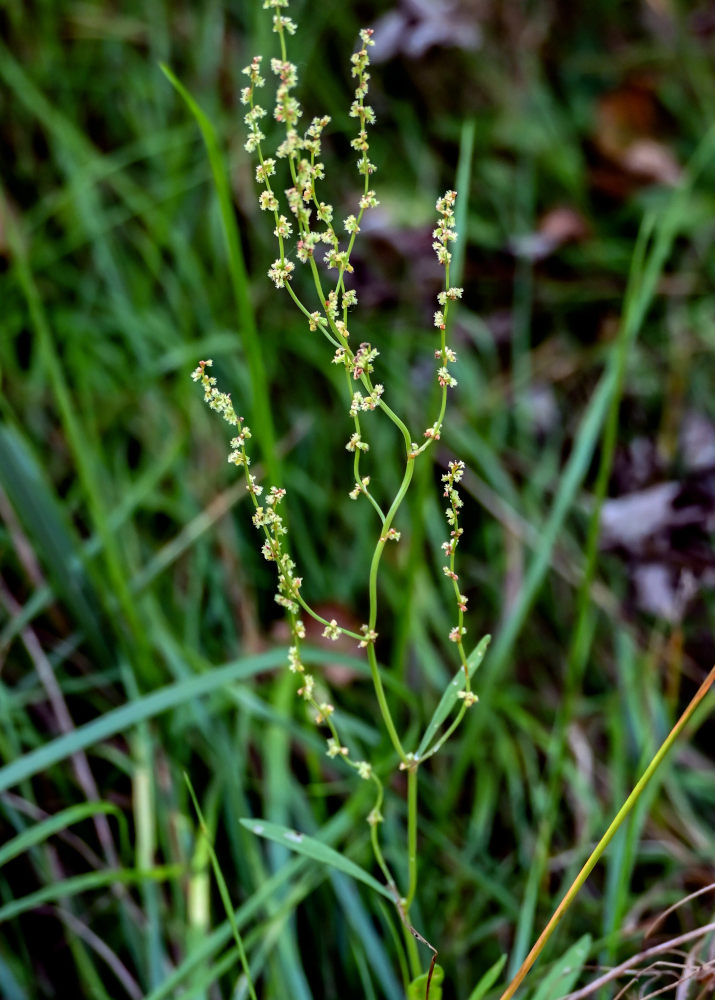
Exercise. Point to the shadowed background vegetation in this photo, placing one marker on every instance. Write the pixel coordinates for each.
(138, 635)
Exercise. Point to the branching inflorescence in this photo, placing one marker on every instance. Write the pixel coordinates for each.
(310, 223)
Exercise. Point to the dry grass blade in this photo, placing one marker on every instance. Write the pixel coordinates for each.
(629, 967)
(671, 909)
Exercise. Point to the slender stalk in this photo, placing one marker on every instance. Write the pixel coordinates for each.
(411, 835)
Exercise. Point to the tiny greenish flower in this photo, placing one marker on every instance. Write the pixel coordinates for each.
(287, 24)
(335, 749)
(285, 602)
(369, 200)
(364, 770)
(267, 201)
(375, 817)
(253, 71)
(254, 115)
(283, 227)
(332, 630)
(369, 635)
(409, 763)
(468, 697)
(308, 685)
(324, 711)
(294, 663)
(281, 272)
(275, 496)
(450, 294)
(445, 379)
(356, 442)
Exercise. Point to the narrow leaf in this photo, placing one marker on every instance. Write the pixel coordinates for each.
(488, 979)
(312, 848)
(450, 695)
(53, 824)
(83, 883)
(564, 974)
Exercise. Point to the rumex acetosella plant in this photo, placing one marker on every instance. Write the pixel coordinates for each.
(307, 233)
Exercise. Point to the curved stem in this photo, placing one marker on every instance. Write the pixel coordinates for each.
(323, 621)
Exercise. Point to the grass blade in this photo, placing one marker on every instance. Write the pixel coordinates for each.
(564, 974)
(303, 844)
(488, 979)
(450, 695)
(53, 824)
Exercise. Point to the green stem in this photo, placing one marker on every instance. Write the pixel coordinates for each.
(372, 588)
(411, 836)
(382, 702)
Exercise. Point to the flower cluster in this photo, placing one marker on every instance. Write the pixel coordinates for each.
(303, 153)
(221, 402)
(265, 517)
(443, 235)
(365, 403)
(363, 112)
(451, 479)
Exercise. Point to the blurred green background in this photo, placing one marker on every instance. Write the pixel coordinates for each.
(138, 635)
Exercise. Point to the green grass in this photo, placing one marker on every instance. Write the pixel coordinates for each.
(138, 638)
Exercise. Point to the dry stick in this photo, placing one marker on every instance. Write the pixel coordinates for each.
(606, 839)
(399, 905)
(619, 970)
(82, 770)
(671, 909)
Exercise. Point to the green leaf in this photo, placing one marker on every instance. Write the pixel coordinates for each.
(84, 883)
(417, 990)
(564, 974)
(488, 979)
(312, 848)
(449, 697)
(53, 537)
(223, 890)
(53, 824)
